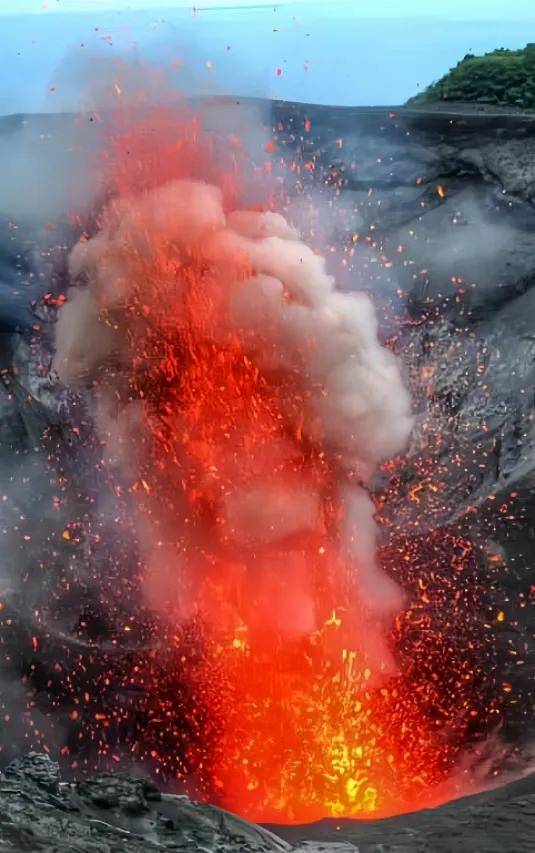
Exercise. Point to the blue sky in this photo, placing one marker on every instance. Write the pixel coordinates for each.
(352, 52)
(448, 9)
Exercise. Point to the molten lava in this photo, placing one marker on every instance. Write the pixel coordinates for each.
(240, 408)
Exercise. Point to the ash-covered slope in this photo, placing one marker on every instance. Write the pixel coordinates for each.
(493, 822)
(39, 812)
(439, 208)
(116, 813)
(433, 213)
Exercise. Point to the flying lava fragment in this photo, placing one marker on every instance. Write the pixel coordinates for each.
(246, 403)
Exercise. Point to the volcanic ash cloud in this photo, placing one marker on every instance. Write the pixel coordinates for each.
(247, 402)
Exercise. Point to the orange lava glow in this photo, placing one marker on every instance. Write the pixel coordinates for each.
(305, 727)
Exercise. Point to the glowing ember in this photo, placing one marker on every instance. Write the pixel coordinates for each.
(248, 402)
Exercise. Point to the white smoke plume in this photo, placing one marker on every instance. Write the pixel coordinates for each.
(275, 297)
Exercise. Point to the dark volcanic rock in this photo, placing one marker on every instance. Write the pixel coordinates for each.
(501, 821)
(120, 814)
(479, 231)
(440, 209)
(112, 814)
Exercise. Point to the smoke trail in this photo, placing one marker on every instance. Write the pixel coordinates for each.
(270, 296)
(245, 403)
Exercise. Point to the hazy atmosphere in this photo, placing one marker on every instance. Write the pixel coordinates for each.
(347, 53)
(267, 426)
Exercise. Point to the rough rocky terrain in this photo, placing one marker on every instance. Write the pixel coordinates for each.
(115, 813)
(487, 823)
(439, 207)
(111, 814)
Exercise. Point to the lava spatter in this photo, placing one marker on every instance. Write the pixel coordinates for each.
(245, 403)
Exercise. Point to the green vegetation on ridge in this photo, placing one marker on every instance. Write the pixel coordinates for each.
(502, 77)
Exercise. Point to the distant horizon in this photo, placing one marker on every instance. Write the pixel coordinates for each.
(481, 10)
(327, 54)
(445, 109)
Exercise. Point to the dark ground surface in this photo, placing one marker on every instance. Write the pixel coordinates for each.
(501, 821)
(119, 814)
(440, 205)
(462, 260)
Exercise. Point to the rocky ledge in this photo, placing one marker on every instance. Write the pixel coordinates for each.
(122, 814)
(112, 814)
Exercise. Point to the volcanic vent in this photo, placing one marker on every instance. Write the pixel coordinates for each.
(242, 405)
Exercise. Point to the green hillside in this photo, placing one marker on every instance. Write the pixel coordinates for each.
(503, 77)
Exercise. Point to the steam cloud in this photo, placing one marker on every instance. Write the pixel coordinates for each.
(272, 298)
